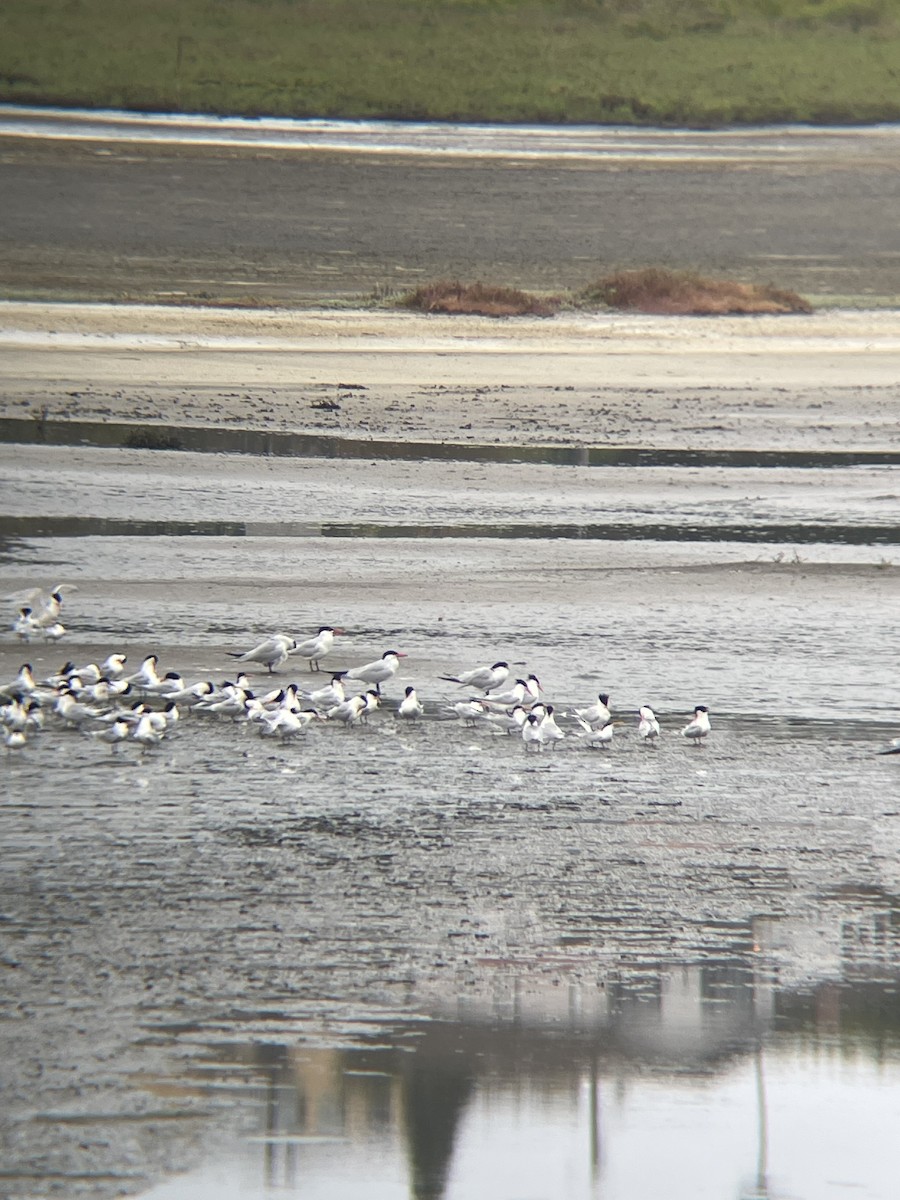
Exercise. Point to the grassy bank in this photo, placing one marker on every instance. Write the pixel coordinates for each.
(696, 62)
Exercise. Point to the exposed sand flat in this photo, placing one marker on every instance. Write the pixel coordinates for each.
(826, 380)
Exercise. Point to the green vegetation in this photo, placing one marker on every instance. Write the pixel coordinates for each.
(648, 290)
(695, 62)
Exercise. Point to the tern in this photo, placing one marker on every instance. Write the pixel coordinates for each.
(113, 735)
(531, 733)
(410, 707)
(509, 699)
(648, 726)
(486, 679)
(330, 695)
(592, 735)
(146, 677)
(598, 714)
(25, 626)
(23, 684)
(468, 711)
(270, 653)
(696, 730)
(314, 649)
(379, 671)
(113, 667)
(548, 729)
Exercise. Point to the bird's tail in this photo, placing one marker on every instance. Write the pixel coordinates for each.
(449, 678)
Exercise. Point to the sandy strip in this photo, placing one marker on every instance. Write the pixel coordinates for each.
(823, 381)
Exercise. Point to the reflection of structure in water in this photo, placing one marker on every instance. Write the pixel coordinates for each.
(407, 1086)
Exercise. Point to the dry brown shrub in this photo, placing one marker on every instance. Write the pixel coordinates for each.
(478, 299)
(657, 290)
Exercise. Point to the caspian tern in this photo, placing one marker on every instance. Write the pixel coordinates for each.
(314, 649)
(486, 679)
(271, 653)
(410, 707)
(379, 671)
(699, 727)
(598, 714)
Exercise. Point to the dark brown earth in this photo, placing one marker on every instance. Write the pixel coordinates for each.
(91, 221)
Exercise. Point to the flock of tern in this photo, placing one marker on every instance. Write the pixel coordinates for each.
(112, 706)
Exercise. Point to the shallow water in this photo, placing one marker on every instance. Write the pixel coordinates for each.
(414, 960)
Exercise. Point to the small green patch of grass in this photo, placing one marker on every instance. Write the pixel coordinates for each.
(658, 290)
(478, 299)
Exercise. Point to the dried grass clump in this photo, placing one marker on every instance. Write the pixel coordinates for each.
(657, 290)
(478, 299)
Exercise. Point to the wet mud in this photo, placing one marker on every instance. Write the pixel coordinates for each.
(201, 937)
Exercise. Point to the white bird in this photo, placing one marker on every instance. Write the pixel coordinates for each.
(316, 648)
(892, 748)
(468, 711)
(113, 667)
(170, 683)
(697, 729)
(508, 722)
(270, 653)
(509, 699)
(648, 726)
(549, 731)
(23, 684)
(146, 677)
(379, 671)
(14, 739)
(25, 626)
(54, 632)
(147, 733)
(194, 693)
(597, 714)
(286, 722)
(593, 735)
(410, 707)
(328, 696)
(531, 733)
(112, 735)
(356, 709)
(486, 679)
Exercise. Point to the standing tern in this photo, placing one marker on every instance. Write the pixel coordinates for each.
(410, 707)
(379, 671)
(699, 727)
(550, 732)
(487, 679)
(648, 726)
(314, 649)
(597, 714)
(531, 733)
(593, 735)
(330, 695)
(270, 654)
